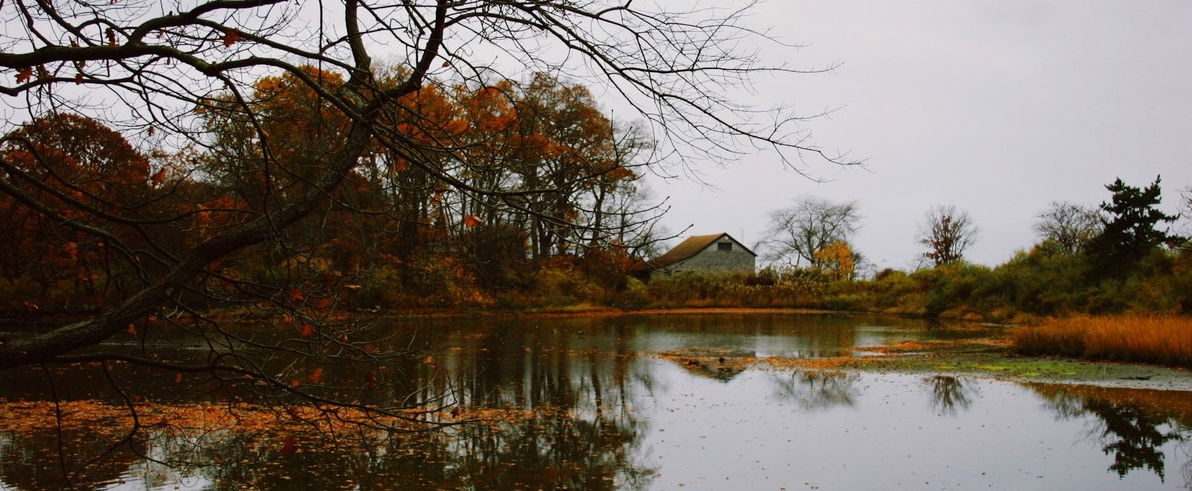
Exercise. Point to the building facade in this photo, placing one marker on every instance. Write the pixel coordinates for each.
(717, 253)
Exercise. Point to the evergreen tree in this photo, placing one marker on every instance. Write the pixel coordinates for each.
(1129, 228)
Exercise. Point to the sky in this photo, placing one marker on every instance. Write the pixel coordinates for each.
(997, 107)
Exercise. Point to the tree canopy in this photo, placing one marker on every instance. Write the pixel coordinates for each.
(947, 233)
(1130, 228)
(801, 233)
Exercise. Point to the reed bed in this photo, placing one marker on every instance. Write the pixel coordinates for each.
(1159, 340)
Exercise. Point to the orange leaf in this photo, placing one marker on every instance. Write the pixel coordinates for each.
(24, 74)
(178, 378)
(316, 375)
(308, 330)
(230, 37)
(297, 295)
(132, 329)
(471, 221)
(160, 175)
(295, 383)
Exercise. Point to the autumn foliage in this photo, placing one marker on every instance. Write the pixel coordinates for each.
(550, 184)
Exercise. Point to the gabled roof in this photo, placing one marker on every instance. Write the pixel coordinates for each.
(690, 247)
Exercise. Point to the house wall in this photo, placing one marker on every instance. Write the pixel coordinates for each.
(714, 260)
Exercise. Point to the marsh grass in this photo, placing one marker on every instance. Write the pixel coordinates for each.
(1161, 340)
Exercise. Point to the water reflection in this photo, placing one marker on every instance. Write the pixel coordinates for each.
(33, 461)
(818, 390)
(584, 403)
(950, 395)
(1131, 425)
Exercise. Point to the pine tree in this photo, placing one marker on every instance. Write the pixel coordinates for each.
(1129, 230)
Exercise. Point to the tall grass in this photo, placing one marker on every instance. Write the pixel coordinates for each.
(1161, 340)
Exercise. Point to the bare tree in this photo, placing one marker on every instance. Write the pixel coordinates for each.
(163, 73)
(1186, 227)
(1069, 225)
(947, 233)
(797, 233)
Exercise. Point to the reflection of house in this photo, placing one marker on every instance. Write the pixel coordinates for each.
(718, 368)
(719, 253)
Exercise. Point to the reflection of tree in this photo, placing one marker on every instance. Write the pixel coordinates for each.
(565, 420)
(1132, 424)
(1132, 436)
(949, 394)
(32, 461)
(818, 390)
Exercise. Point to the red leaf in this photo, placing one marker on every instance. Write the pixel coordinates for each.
(132, 329)
(178, 378)
(79, 78)
(159, 176)
(295, 383)
(230, 37)
(316, 376)
(289, 446)
(24, 74)
(308, 330)
(297, 295)
(111, 36)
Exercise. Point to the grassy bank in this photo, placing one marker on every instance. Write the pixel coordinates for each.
(1160, 340)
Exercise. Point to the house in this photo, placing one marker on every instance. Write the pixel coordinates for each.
(718, 253)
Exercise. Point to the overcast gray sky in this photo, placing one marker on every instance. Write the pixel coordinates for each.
(998, 107)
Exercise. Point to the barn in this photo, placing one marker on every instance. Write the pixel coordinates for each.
(716, 253)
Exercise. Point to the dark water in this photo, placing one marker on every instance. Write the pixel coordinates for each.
(609, 412)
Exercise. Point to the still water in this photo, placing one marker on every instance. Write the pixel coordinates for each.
(619, 403)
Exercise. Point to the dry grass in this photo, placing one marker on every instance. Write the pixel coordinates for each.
(1161, 340)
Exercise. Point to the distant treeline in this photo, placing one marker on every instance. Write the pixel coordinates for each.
(554, 218)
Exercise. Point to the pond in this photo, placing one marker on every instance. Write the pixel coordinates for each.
(655, 402)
